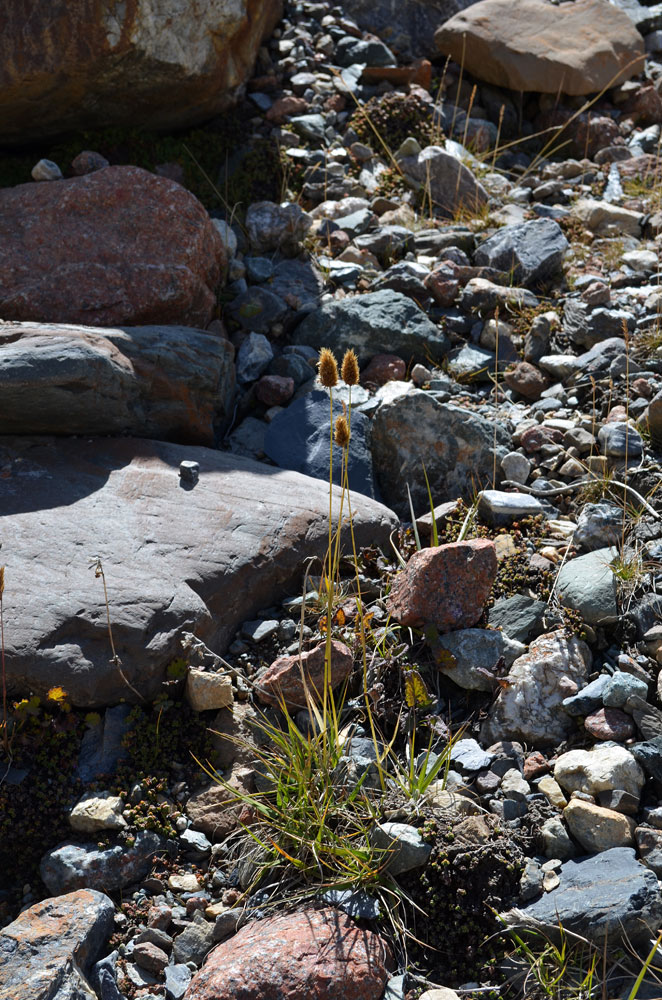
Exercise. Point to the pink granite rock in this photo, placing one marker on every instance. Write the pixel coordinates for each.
(445, 586)
(313, 954)
(283, 677)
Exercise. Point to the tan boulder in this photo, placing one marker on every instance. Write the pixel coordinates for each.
(84, 64)
(535, 45)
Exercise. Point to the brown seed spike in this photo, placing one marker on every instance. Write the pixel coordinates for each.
(341, 436)
(328, 368)
(350, 368)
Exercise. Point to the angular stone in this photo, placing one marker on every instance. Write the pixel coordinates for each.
(556, 839)
(535, 47)
(207, 690)
(320, 953)
(649, 845)
(500, 508)
(605, 767)
(518, 616)
(383, 322)
(164, 382)
(530, 707)
(176, 71)
(604, 219)
(445, 586)
(404, 847)
(455, 444)
(97, 811)
(599, 525)
(450, 184)
(587, 584)
(610, 724)
(50, 948)
(77, 265)
(529, 252)
(194, 942)
(598, 829)
(76, 866)
(607, 895)
(621, 686)
(122, 499)
(469, 655)
(283, 681)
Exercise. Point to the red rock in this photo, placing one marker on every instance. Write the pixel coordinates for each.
(383, 368)
(310, 955)
(535, 766)
(527, 380)
(617, 415)
(445, 586)
(642, 387)
(420, 72)
(336, 102)
(444, 289)
(117, 247)
(644, 107)
(534, 438)
(609, 724)
(596, 294)
(283, 677)
(150, 957)
(274, 390)
(87, 162)
(284, 107)
(214, 812)
(159, 916)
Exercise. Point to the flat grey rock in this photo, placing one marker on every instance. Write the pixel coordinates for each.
(225, 547)
(588, 585)
(519, 616)
(501, 508)
(609, 894)
(72, 866)
(531, 251)
(164, 382)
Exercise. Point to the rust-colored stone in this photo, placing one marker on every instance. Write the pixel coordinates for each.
(116, 247)
(283, 679)
(383, 368)
(445, 586)
(317, 954)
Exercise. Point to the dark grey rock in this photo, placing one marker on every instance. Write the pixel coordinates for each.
(387, 242)
(356, 902)
(404, 844)
(104, 978)
(605, 895)
(166, 382)
(519, 616)
(531, 251)
(194, 941)
(446, 180)
(472, 363)
(73, 866)
(372, 52)
(649, 755)
(588, 699)
(258, 269)
(377, 323)
(297, 283)
(226, 923)
(587, 327)
(101, 748)
(298, 438)
(406, 25)
(599, 525)
(50, 949)
(291, 366)
(588, 585)
(455, 444)
(257, 309)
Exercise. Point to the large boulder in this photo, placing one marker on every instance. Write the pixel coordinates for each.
(165, 382)
(604, 896)
(116, 247)
(157, 63)
(383, 322)
(534, 45)
(456, 446)
(313, 953)
(49, 950)
(178, 556)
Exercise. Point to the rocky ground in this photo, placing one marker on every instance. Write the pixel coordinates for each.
(482, 228)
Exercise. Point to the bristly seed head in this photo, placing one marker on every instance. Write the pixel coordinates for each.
(341, 436)
(328, 368)
(350, 368)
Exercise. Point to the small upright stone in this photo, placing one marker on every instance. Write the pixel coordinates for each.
(207, 690)
(46, 170)
(283, 680)
(445, 586)
(87, 162)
